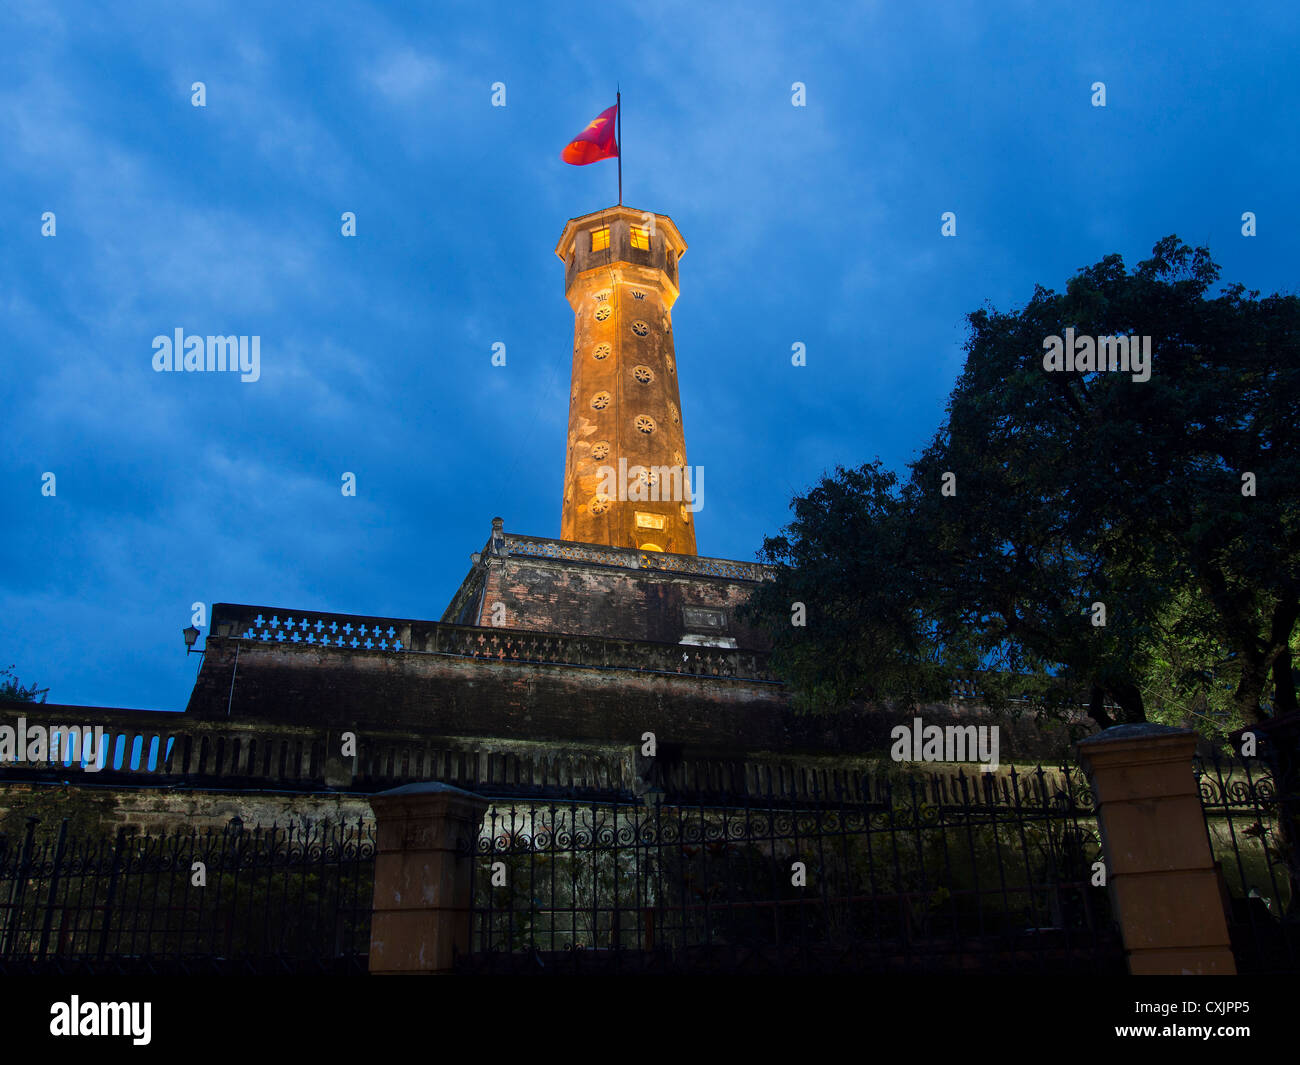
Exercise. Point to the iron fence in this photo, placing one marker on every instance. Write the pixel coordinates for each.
(965, 872)
(1252, 816)
(295, 899)
(971, 873)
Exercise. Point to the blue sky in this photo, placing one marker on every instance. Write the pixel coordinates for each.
(818, 225)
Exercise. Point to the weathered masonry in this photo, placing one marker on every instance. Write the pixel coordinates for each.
(551, 663)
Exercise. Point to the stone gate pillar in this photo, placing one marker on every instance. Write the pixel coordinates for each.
(1159, 868)
(422, 881)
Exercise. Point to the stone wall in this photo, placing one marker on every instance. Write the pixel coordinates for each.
(154, 810)
(661, 607)
(541, 585)
(450, 695)
(495, 710)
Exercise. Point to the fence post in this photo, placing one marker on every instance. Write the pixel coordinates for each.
(1160, 870)
(422, 880)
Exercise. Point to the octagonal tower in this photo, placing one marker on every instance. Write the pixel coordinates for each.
(626, 481)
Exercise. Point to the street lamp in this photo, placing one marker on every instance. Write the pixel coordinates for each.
(191, 634)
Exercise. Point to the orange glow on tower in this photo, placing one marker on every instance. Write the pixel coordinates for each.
(626, 480)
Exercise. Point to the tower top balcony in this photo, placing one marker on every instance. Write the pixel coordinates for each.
(642, 240)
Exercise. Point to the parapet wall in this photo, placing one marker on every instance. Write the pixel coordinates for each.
(554, 586)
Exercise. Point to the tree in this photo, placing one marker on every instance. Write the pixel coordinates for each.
(848, 612)
(1083, 536)
(12, 688)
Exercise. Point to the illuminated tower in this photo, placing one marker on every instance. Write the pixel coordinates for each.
(626, 482)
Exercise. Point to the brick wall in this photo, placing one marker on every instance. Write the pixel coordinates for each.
(559, 596)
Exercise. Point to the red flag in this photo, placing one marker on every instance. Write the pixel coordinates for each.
(596, 142)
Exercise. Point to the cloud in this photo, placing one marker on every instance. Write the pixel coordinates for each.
(404, 75)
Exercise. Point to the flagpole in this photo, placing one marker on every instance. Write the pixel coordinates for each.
(618, 118)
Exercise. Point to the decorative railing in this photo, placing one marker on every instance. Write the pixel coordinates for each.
(571, 552)
(599, 652)
(149, 748)
(355, 632)
(322, 630)
(368, 633)
(538, 547)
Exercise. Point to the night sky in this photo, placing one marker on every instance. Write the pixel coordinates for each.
(817, 225)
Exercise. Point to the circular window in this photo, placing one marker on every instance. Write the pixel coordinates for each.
(643, 374)
(672, 367)
(648, 477)
(599, 505)
(640, 328)
(600, 450)
(600, 400)
(601, 352)
(645, 424)
(672, 409)
(602, 312)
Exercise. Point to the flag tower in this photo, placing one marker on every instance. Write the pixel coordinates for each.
(626, 482)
